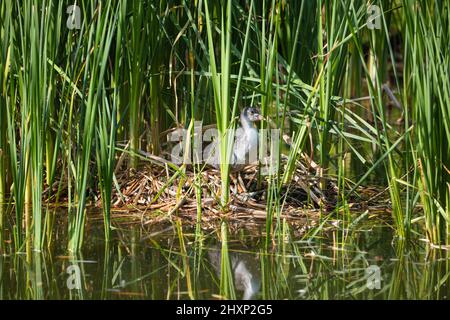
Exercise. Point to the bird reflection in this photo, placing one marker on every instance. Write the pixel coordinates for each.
(245, 269)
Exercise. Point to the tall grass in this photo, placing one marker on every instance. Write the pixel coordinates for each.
(70, 97)
(221, 88)
(100, 34)
(137, 57)
(427, 57)
(4, 66)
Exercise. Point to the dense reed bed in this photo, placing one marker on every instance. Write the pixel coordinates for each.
(87, 94)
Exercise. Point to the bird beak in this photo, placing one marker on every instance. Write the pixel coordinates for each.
(260, 117)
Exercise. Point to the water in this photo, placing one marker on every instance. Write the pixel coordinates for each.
(152, 263)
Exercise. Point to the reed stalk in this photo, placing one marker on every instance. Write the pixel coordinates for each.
(100, 34)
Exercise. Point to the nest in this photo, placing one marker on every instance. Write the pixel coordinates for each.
(157, 193)
(153, 191)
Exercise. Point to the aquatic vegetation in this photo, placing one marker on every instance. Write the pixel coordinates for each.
(91, 91)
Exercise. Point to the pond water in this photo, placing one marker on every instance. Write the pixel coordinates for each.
(166, 262)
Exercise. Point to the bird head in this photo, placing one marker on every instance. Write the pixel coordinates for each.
(253, 114)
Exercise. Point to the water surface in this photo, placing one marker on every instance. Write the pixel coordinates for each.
(165, 262)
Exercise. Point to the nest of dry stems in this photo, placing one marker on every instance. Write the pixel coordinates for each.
(152, 192)
(155, 193)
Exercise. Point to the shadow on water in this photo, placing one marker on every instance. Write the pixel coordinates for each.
(168, 263)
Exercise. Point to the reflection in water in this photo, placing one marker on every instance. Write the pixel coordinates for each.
(245, 271)
(135, 266)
